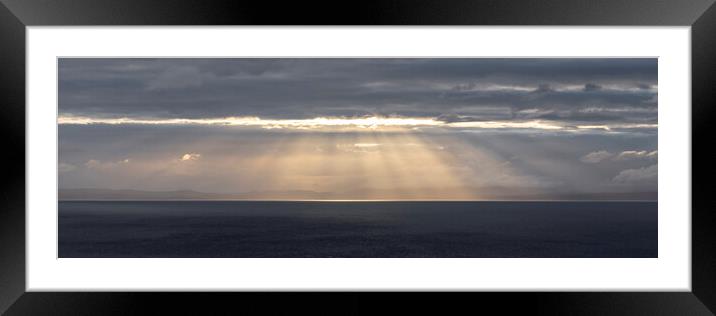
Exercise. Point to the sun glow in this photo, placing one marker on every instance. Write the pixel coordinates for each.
(370, 165)
(362, 166)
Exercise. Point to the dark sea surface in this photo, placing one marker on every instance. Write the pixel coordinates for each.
(269, 229)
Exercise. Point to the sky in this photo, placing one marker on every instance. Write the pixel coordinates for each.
(371, 128)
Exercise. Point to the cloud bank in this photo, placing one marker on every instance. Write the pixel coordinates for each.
(595, 92)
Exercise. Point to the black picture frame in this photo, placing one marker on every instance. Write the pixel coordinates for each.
(15, 15)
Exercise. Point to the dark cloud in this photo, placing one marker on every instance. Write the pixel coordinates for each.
(543, 88)
(592, 87)
(304, 88)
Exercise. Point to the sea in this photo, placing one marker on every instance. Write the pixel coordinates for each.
(357, 229)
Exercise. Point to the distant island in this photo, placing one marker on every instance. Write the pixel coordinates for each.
(491, 194)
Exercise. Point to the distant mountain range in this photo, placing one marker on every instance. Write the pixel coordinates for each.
(109, 194)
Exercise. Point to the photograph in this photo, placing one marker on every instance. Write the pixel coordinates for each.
(208, 156)
(357, 157)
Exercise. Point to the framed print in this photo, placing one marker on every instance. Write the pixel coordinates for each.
(464, 148)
